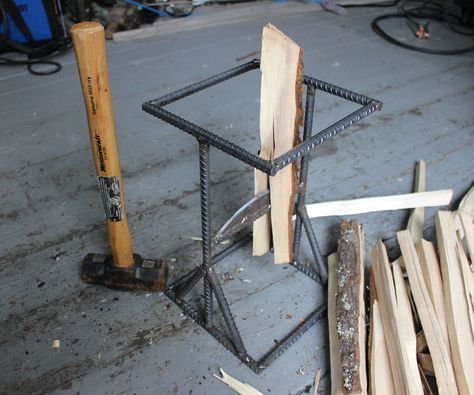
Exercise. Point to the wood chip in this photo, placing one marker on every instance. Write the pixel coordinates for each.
(236, 385)
(317, 378)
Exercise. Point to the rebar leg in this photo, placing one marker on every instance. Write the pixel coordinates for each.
(211, 282)
(308, 125)
(204, 174)
(301, 214)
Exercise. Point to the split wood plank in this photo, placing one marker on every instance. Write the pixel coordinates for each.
(432, 275)
(317, 379)
(407, 327)
(381, 381)
(443, 367)
(334, 349)
(460, 336)
(350, 308)
(468, 228)
(380, 203)
(406, 381)
(370, 337)
(236, 385)
(466, 205)
(467, 280)
(280, 119)
(417, 216)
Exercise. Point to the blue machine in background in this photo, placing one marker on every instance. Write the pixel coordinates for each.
(39, 16)
(35, 29)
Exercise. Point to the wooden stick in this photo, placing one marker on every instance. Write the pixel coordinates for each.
(281, 115)
(417, 216)
(407, 327)
(467, 203)
(406, 381)
(460, 336)
(334, 347)
(468, 227)
(350, 310)
(431, 274)
(467, 280)
(434, 336)
(317, 379)
(379, 203)
(381, 381)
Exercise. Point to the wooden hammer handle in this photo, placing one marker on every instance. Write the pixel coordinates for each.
(89, 43)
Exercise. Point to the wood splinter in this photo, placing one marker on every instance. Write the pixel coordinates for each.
(350, 311)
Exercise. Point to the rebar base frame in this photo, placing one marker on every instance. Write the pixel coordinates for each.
(317, 271)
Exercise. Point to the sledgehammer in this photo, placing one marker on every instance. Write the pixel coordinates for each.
(123, 269)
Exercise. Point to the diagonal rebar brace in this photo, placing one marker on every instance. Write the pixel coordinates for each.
(303, 177)
(292, 337)
(314, 244)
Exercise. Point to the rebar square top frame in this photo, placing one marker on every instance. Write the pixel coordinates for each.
(230, 337)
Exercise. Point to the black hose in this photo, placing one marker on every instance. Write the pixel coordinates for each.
(429, 11)
(377, 29)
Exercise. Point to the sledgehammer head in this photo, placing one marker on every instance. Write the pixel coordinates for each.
(146, 274)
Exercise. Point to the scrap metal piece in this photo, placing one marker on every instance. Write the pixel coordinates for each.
(245, 215)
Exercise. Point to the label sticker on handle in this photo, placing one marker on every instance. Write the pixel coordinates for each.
(110, 190)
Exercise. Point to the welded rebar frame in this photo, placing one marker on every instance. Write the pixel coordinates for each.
(317, 271)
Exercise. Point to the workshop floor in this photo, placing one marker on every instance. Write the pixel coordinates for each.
(51, 213)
